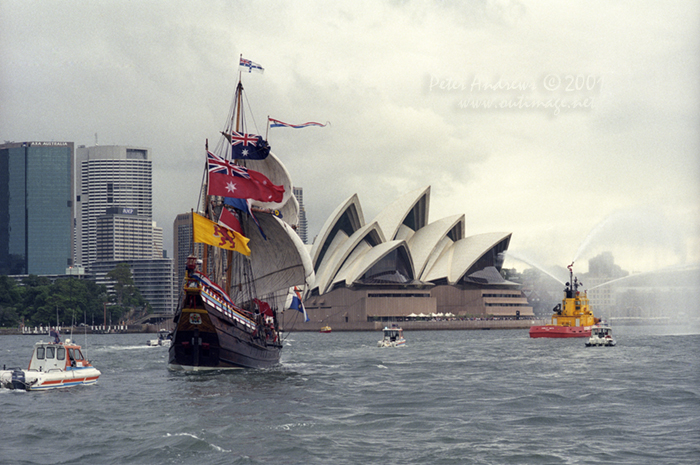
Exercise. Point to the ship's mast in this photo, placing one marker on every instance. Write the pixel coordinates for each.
(239, 101)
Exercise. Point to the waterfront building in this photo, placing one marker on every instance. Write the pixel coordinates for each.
(36, 207)
(602, 297)
(152, 277)
(302, 227)
(400, 266)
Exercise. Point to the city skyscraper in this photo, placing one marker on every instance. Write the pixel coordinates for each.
(114, 222)
(36, 207)
(124, 235)
(109, 176)
(302, 226)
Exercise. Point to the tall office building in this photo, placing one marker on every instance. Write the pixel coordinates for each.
(124, 235)
(110, 177)
(158, 251)
(36, 207)
(114, 223)
(302, 226)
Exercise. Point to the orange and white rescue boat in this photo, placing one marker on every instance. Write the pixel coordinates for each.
(53, 365)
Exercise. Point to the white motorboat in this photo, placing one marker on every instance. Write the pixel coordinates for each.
(393, 337)
(53, 365)
(601, 336)
(164, 338)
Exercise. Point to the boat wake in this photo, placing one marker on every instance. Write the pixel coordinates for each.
(119, 348)
(213, 446)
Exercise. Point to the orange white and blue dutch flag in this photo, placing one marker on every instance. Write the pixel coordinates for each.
(275, 123)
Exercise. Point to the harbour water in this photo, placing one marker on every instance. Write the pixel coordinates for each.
(447, 397)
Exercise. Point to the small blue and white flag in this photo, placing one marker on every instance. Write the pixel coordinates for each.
(251, 66)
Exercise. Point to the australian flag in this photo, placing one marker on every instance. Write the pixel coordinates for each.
(229, 180)
(247, 146)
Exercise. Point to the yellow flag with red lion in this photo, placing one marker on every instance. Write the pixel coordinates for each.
(208, 232)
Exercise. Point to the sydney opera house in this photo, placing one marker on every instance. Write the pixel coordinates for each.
(400, 267)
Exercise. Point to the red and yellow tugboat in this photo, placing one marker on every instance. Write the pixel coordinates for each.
(572, 317)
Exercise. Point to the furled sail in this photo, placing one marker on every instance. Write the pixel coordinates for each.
(277, 264)
(290, 211)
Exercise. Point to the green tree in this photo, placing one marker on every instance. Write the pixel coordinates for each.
(127, 294)
(9, 300)
(40, 302)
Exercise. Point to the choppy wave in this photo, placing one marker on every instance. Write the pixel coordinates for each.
(447, 397)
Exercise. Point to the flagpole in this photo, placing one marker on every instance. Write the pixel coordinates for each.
(192, 242)
(239, 102)
(205, 248)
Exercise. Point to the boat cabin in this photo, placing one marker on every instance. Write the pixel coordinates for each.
(49, 356)
(601, 331)
(393, 334)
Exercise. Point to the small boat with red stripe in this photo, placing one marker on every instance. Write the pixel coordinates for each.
(53, 365)
(571, 318)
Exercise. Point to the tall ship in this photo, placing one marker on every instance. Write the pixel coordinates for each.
(572, 317)
(247, 260)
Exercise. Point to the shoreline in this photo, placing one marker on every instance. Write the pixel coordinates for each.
(442, 325)
(316, 327)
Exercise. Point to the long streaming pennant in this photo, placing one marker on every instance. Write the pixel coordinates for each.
(275, 123)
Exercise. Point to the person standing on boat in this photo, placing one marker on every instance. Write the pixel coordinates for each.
(55, 335)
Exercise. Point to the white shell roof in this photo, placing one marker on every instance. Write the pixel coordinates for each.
(350, 208)
(393, 216)
(353, 261)
(346, 248)
(425, 240)
(457, 259)
(334, 260)
(369, 258)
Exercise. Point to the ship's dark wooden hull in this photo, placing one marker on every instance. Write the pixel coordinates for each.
(207, 339)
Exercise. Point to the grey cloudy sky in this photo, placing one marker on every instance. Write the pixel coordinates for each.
(573, 125)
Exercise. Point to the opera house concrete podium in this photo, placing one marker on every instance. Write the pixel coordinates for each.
(399, 267)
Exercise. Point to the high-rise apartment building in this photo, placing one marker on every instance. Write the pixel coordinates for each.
(110, 177)
(302, 226)
(36, 207)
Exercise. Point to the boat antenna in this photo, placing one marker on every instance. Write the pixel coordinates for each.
(571, 273)
(85, 330)
(192, 239)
